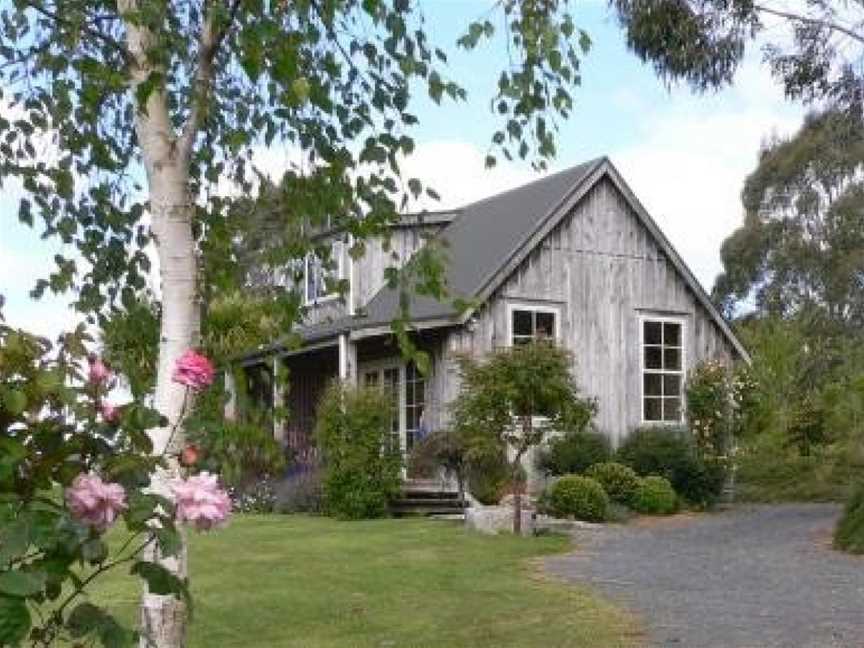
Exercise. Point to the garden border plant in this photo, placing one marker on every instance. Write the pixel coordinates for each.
(58, 428)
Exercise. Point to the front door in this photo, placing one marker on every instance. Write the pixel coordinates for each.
(406, 387)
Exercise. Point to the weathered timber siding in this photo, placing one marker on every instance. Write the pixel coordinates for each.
(368, 275)
(367, 272)
(602, 269)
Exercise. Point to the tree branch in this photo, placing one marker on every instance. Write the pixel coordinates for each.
(808, 20)
(90, 31)
(209, 45)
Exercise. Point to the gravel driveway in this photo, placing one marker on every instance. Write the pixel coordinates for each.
(748, 577)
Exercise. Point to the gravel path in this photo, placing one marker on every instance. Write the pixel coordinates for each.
(748, 577)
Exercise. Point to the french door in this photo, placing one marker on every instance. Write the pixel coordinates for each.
(406, 387)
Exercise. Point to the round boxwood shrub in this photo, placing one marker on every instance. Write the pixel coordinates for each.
(581, 497)
(573, 453)
(619, 481)
(849, 534)
(656, 496)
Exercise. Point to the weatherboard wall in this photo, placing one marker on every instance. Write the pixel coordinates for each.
(602, 270)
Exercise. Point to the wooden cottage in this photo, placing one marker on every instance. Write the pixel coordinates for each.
(573, 256)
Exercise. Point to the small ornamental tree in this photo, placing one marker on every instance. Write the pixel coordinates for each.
(511, 401)
(72, 465)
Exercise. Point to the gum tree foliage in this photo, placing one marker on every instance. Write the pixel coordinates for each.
(801, 248)
(817, 54)
(511, 401)
(127, 123)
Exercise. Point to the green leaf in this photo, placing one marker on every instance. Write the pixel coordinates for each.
(21, 583)
(87, 618)
(170, 541)
(14, 401)
(14, 540)
(14, 620)
(94, 551)
(162, 582)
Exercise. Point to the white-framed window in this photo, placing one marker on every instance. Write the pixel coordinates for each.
(530, 322)
(319, 281)
(406, 388)
(663, 363)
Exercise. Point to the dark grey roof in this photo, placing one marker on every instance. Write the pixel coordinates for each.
(481, 239)
(482, 242)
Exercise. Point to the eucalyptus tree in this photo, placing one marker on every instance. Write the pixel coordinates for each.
(800, 251)
(128, 123)
(817, 54)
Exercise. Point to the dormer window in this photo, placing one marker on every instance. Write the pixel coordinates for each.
(319, 279)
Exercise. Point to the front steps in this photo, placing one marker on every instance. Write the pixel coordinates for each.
(427, 498)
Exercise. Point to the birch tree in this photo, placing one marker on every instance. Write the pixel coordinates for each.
(122, 119)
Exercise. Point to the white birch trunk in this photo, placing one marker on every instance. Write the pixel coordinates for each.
(163, 618)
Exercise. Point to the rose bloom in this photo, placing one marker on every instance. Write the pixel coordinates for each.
(110, 413)
(193, 370)
(99, 371)
(94, 502)
(189, 455)
(200, 501)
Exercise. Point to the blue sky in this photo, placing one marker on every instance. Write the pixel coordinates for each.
(685, 156)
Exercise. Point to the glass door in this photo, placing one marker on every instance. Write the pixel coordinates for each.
(406, 387)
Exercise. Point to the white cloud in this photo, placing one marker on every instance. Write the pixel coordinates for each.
(690, 166)
(456, 171)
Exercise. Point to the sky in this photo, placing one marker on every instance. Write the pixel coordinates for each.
(685, 156)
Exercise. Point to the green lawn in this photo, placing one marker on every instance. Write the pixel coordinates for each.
(314, 582)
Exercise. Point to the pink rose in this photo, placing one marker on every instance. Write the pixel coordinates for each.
(200, 501)
(95, 503)
(99, 372)
(110, 413)
(193, 370)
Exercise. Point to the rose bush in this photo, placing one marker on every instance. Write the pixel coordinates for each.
(72, 465)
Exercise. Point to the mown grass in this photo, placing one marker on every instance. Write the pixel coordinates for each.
(310, 582)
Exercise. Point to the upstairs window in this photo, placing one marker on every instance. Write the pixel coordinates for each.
(662, 370)
(320, 279)
(529, 324)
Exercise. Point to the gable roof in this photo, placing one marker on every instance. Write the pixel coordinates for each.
(483, 236)
(487, 240)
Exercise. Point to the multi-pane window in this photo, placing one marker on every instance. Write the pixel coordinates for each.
(319, 278)
(530, 325)
(662, 370)
(415, 402)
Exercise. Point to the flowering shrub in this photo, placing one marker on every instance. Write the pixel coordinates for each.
(716, 396)
(59, 433)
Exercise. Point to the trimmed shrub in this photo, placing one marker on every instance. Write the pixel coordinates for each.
(849, 533)
(619, 481)
(579, 496)
(362, 469)
(656, 496)
(573, 453)
(671, 453)
(656, 450)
